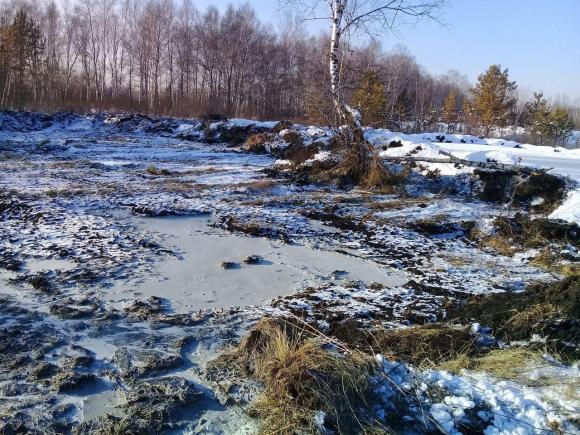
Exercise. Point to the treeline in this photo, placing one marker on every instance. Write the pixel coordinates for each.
(167, 57)
(492, 104)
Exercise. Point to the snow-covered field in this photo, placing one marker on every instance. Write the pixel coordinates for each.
(559, 161)
(133, 250)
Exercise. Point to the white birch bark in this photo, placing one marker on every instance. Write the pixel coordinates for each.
(346, 114)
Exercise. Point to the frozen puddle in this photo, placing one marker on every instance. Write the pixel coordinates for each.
(41, 265)
(197, 280)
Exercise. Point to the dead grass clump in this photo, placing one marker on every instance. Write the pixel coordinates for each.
(155, 171)
(503, 363)
(438, 224)
(301, 376)
(521, 323)
(400, 203)
(536, 233)
(257, 142)
(419, 345)
(513, 234)
(551, 259)
(549, 309)
(500, 244)
(178, 186)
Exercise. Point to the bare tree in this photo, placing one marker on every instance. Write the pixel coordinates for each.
(369, 17)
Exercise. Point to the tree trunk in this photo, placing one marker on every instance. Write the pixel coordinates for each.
(345, 113)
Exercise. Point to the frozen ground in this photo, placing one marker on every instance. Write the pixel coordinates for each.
(113, 235)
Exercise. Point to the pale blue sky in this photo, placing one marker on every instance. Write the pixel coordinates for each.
(538, 40)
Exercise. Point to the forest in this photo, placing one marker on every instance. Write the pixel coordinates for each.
(166, 57)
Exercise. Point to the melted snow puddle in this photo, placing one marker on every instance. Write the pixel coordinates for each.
(197, 280)
(99, 404)
(41, 265)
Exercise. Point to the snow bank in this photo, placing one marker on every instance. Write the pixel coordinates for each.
(477, 399)
(570, 209)
(243, 123)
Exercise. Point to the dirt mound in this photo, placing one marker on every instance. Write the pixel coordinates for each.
(256, 143)
(541, 191)
(550, 310)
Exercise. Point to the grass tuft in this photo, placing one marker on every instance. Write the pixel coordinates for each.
(155, 171)
(424, 345)
(505, 364)
(531, 319)
(303, 373)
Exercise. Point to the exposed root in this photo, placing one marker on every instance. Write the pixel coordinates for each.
(360, 166)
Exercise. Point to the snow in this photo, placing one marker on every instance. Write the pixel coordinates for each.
(560, 161)
(505, 406)
(112, 172)
(243, 123)
(321, 156)
(570, 209)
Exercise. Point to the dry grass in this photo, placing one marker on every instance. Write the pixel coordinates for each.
(530, 319)
(551, 260)
(399, 204)
(500, 243)
(502, 363)
(155, 171)
(175, 185)
(424, 345)
(303, 372)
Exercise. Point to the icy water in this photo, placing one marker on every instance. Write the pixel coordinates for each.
(196, 280)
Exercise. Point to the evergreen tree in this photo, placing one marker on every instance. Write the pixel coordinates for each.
(402, 109)
(370, 99)
(449, 114)
(560, 125)
(493, 98)
(536, 115)
(24, 45)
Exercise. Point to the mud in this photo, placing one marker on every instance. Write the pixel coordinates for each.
(559, 327)
(111, 285)
(522, 189)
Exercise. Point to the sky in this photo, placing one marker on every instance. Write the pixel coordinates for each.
(538, 40)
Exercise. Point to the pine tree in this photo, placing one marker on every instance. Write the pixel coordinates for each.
(370, 99)
(493, 97)
(450, 115)
(25, 46)
(560, 125)
(536, 115)
(402, 110)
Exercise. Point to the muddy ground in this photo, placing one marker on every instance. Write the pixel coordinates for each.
(131, 256)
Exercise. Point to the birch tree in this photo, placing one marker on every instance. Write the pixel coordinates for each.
(366, 17)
